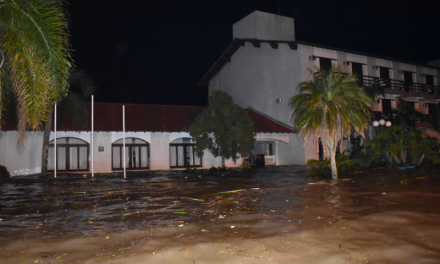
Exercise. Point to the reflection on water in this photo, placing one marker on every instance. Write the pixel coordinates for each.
(76, 204)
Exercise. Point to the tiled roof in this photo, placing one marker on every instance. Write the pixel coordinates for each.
(155, 118)
(265, 124)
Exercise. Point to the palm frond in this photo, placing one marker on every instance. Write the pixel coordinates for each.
(34, 34)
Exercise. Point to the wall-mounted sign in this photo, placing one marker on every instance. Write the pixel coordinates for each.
(101, 148)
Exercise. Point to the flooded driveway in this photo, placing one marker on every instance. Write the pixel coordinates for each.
(273, 214)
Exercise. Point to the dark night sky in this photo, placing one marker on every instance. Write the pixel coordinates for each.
(156, 52)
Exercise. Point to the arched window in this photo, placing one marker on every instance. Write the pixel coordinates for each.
(137, 154)
(72, 155)
(182, 154)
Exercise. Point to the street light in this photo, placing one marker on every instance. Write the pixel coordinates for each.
(381, 125)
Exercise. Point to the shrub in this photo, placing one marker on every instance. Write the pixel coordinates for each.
(4, 174)
(210, 170)
(344, 163)
(245, 165)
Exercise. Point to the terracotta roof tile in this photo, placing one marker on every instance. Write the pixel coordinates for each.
(154, 118)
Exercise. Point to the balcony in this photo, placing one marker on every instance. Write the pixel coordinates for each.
(370, 81)
(419, 119)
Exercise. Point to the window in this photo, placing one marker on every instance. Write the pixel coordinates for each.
(72, 155)
(357, 69)
(137, 154)
(266, 148)
(182, 154)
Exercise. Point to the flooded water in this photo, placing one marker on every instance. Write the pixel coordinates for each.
(76, 204)
(277, 214)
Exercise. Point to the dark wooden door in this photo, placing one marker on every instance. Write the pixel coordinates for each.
(429, 80)
(358, 71)
(408, 77)
(411, 108)
(386, 106)
(408, 80)
(325, 64)
(384, 73)
(431, 109)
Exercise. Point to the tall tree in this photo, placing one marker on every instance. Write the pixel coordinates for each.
(224, 128)
(330, 106)
(81, 87)
(34, 40)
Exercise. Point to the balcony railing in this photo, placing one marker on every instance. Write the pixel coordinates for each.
(370, 81)
(418, 118)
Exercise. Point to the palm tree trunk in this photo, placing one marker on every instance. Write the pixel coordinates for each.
(45, 154)
(333, 159)
(421, 159)
(397, 159)
(223, 162)
(403, 158)
(388, 156)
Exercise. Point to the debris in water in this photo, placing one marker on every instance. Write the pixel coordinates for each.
(233, 191)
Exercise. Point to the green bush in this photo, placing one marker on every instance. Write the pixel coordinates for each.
(344, 163)
(205, 171)
(4, 174)
(245, 165)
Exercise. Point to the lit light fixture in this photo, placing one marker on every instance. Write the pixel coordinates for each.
(380, 125)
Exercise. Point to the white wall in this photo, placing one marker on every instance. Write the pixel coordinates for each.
(29, 160)
(21, 163)
(261, 25)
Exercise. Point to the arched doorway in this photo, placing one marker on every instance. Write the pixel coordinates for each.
(72, 155)
(264, 150)
(137, 154)
(182, 154)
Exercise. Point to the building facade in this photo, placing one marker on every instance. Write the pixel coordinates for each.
(156, 138)
(264, 64)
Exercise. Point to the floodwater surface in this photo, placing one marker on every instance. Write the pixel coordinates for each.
(273, 214)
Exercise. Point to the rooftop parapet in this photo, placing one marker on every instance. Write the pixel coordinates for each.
(265, 26)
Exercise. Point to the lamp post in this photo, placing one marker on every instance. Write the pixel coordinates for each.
(380, 125)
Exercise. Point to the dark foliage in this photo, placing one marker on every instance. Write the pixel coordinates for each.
(4, 174)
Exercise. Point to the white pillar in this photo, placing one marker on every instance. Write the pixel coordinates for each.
(55, 140)
(123, 138)
(91, 140)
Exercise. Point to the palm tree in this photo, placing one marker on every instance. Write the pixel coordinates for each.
(329, 107)
(34, 44)
(81, 87)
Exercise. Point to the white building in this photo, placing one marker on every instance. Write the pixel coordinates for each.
(157, 138)
(264, 64)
